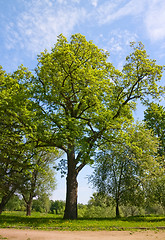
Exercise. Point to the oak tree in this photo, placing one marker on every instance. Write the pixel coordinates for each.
(79, 96)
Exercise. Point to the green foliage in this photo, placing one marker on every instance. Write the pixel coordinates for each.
(155, 191)
(79, 94)
(57, 207)
(42, 204)
(100, 199)
(122, 168)
(155, 209)
(140, 75)
(154, 117)
(131, 210)
(41, 177)
(14, 154)
(15, 204)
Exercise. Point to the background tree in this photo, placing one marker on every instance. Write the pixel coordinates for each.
(57, 206)
(14, 155)
(41, 179)
(122, 168)
(100, 199)
(15, 204)
(154, 117)
(79, 96)
(42, 203)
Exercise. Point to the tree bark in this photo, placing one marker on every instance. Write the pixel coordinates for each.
(28, 208)
(28, 203)
(117, 210)
(72, 188)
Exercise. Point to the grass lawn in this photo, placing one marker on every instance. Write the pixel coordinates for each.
(54, 222)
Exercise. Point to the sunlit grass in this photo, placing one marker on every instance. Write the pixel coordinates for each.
(54, 222)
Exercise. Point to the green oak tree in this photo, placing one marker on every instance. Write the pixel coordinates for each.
(79, 97)
(123, 167)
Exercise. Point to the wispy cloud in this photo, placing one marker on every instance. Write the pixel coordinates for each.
(155, 20)
(150, 12)
(114, 10)
(119, 45)
(37, 27)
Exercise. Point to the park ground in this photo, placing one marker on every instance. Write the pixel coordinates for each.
(19, 234)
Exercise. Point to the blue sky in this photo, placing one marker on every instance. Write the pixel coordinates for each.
(27, 27)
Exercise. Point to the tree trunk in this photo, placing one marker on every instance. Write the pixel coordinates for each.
(28, 203)
(72, 188)
(117, 210)
(28, 208)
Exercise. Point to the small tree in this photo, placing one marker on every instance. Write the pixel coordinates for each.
(154, 117)
(122, 168)
(40, 178)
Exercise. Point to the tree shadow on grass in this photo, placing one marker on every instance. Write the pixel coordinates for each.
(47, 221)
(129, 219)
(27, 221)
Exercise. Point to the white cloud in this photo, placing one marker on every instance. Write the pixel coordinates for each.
(37, 27)
(150, 12)
(113, 10)
(94, 2)
(120, 39)
(155, 20)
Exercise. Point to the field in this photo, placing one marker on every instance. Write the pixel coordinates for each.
(53, 222)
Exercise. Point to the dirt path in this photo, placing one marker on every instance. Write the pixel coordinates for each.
(16, 234)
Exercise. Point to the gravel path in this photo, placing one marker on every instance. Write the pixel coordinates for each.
(16, 234)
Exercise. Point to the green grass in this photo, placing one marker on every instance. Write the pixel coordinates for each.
(53, 222)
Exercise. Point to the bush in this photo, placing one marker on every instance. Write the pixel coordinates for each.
(130, 210)
(57, 207)
(96, 212)
(155, 209)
